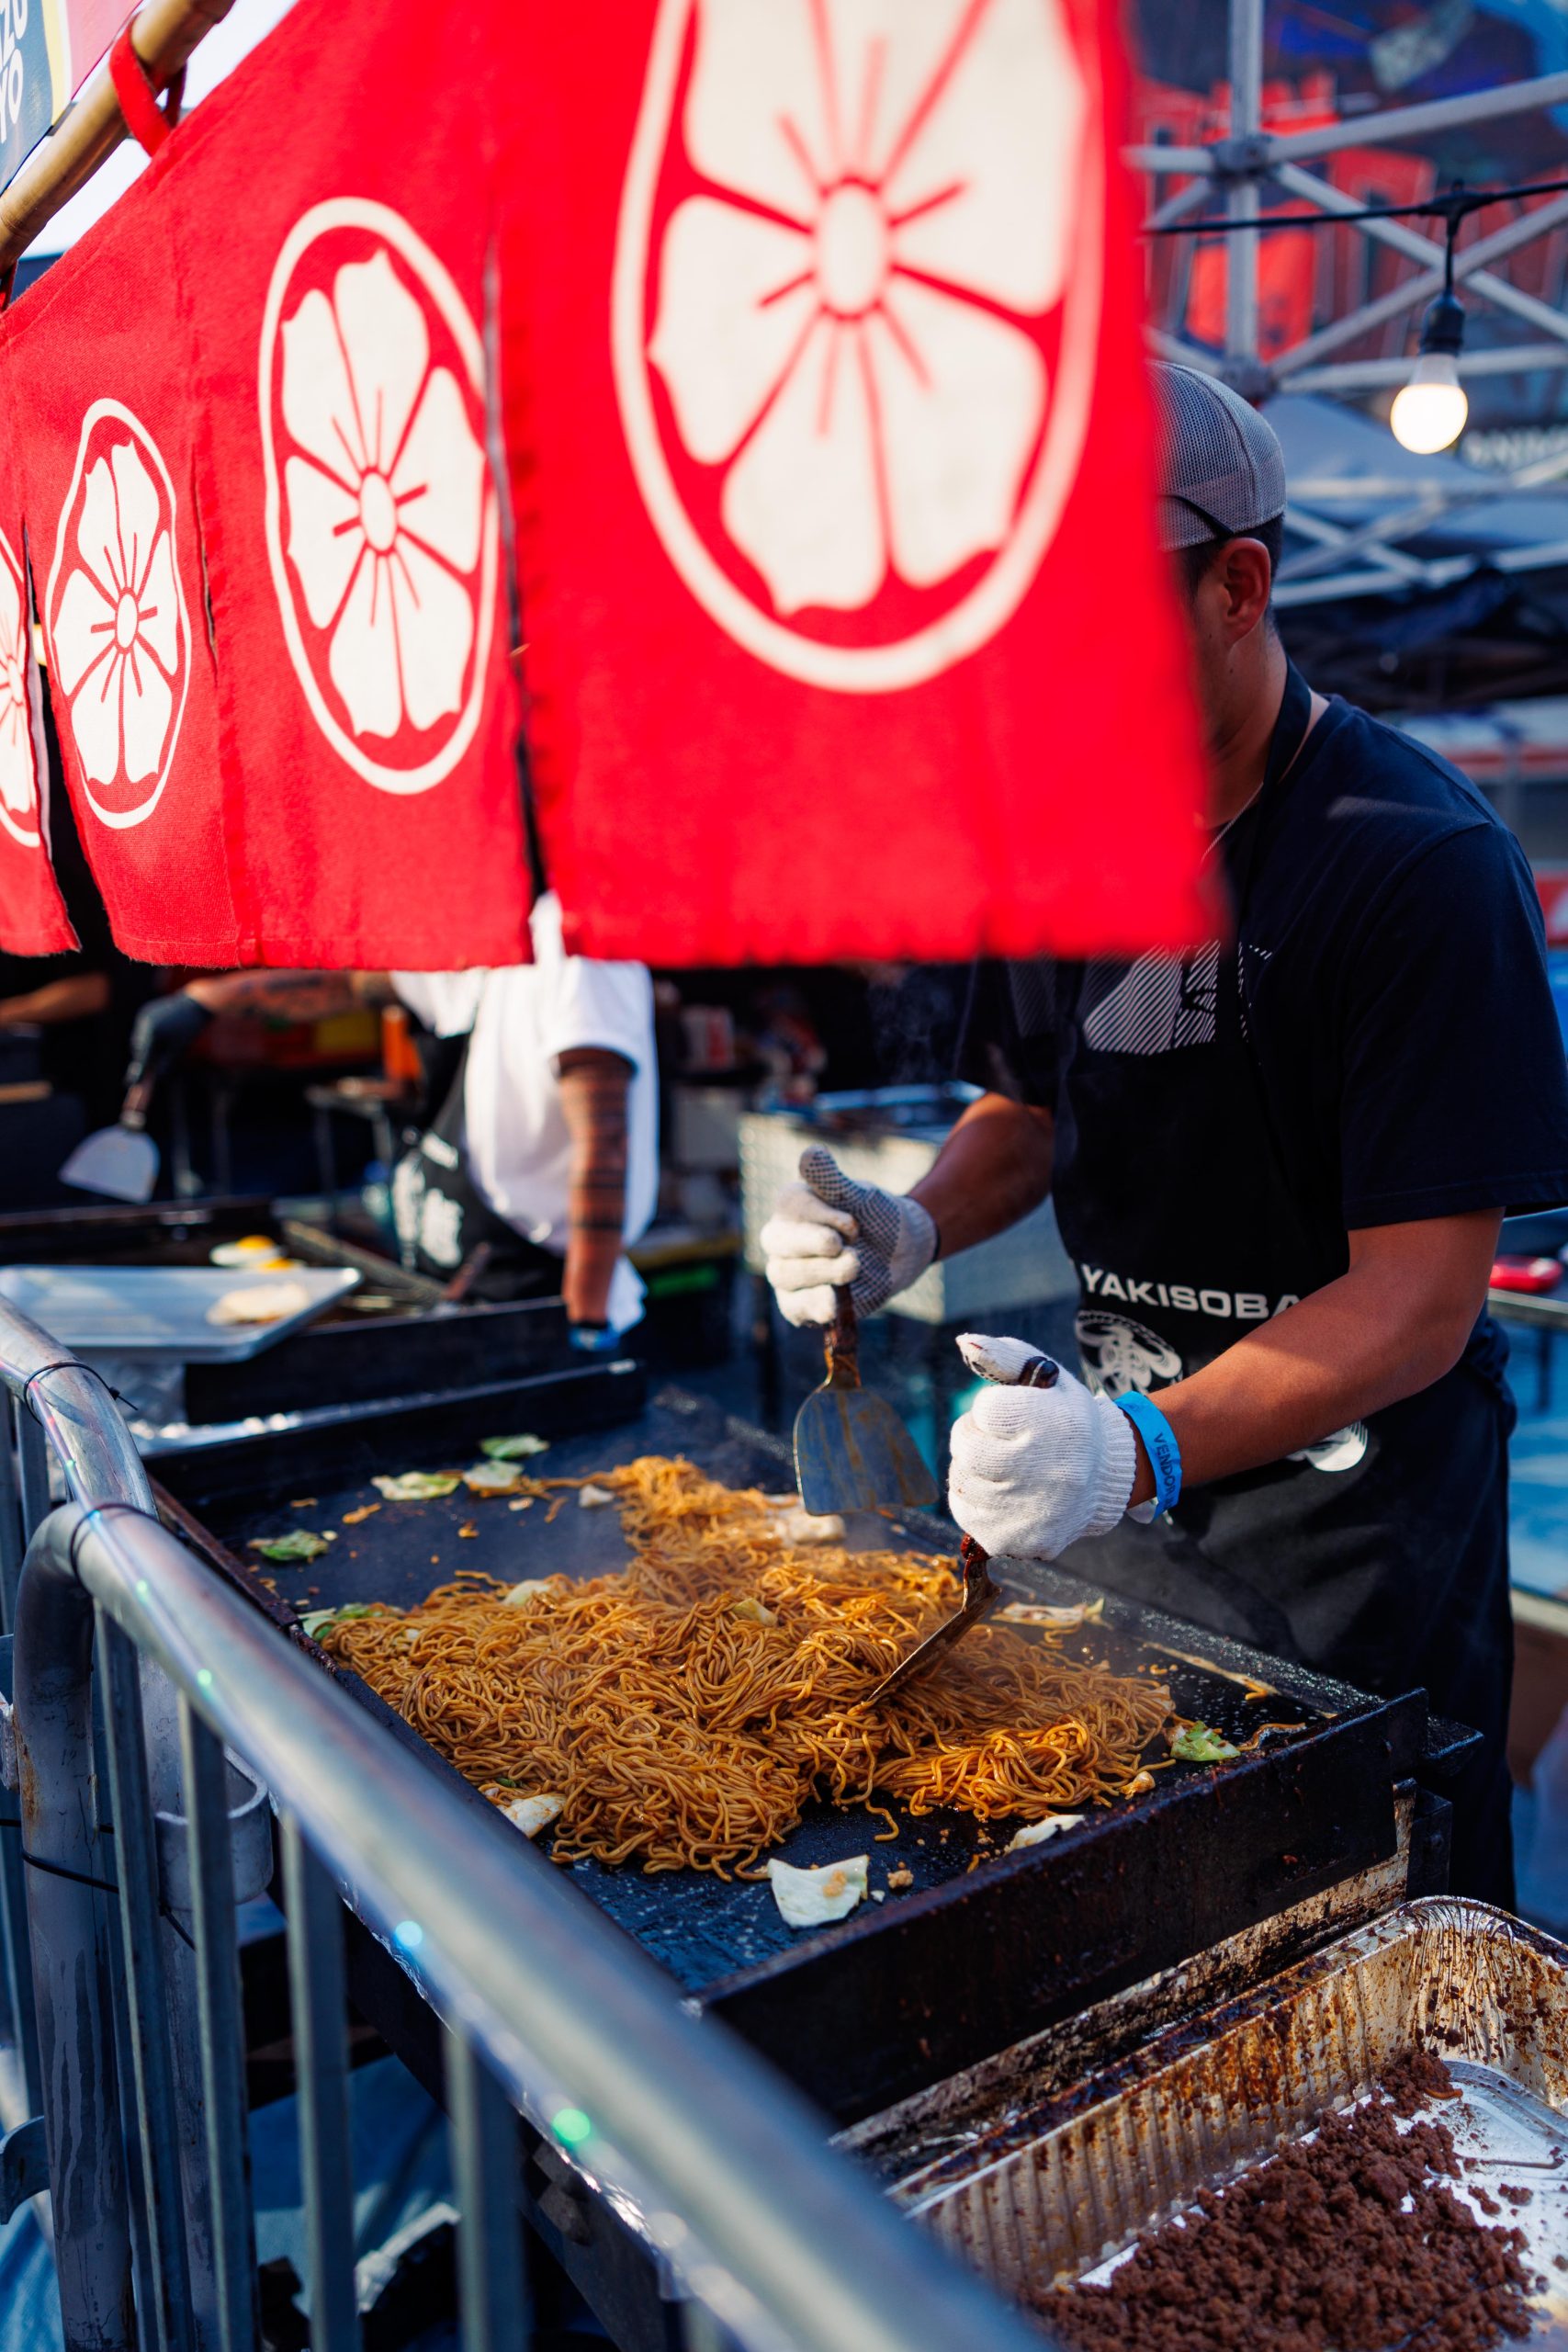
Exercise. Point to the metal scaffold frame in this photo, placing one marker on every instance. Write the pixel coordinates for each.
(1229, 177)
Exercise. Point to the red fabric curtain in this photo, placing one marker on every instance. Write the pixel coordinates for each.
(847, 632)
(266, 531)
(333, 215)
(805, 342)
(99, 364)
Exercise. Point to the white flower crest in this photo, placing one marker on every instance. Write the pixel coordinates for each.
(19, 764)
(841, 325)
(386, 498)
(117, 635)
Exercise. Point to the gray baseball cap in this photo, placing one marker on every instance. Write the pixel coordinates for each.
(1221, 470)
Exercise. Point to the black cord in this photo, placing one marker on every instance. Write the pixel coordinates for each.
(14, 1821)
(85, 1878)
(71, 1363)
(58, 1869)
(1457, 206)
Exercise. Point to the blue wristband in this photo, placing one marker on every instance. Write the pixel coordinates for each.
(593, 1338)
(1159, 1444)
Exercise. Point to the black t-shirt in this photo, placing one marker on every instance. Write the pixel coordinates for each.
(1378, 1043)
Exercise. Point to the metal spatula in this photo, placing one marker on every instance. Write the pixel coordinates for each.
(981, 1590)
(120, 1160)
(851, 1452)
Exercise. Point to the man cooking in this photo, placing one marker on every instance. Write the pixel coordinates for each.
(1279, 1163)
(542, 1141)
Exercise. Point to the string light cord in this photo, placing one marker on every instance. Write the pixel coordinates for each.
(1452, 207)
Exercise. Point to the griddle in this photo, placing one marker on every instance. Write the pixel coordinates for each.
(347, 1357)
(963, 1963)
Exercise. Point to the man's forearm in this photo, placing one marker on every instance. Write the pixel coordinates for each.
(993, 1170)
(594, 1086)
(76, 999)
(1395, 1322)
(290, 996)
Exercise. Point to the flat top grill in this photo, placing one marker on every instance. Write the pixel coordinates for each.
(971, 1955)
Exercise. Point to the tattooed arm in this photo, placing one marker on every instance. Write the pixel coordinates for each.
(290, 996)
(75, 999)
(594, 1089)
(166, 1028)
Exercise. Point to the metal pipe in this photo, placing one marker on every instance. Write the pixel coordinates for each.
(1336, 536)
(1419, 289)
(1370, 375)
(55, 1744)
(1391, 123)
(68, 1401)
(65, 1407)
(1185, 199)
(1168, 158)
(1408, 241)
(136, 1868)
(220, 2014)
(1186, 355)
(164, 35)
(777, 2233)
(321, 2050)
(13, 1542)
(142, 2273)
(1371, 582)
(32, 1473)
(1246, 122)
(491, 2289)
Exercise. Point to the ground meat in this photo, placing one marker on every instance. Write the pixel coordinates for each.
(1312, 2253)
(1416, 2079)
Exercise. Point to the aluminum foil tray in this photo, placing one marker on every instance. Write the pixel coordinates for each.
(1054, 2194)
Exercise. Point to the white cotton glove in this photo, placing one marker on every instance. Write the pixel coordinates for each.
(1033, 1469)
(806, 1241)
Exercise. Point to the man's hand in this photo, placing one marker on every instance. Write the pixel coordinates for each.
(1034, 1469)
(1395, 1322)
(160, 1035)
(807, 1241)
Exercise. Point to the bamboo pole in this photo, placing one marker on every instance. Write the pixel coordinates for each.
(164, 34)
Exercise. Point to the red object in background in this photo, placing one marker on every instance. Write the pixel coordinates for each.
(817, 669)
(89, 26)
(1551, 890)
(1530, 1274)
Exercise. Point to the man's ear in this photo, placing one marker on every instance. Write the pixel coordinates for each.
(1246, 578)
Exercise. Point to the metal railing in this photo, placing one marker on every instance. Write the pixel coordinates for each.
(766, 2236)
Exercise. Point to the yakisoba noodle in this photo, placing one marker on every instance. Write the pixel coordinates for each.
(687, 1707)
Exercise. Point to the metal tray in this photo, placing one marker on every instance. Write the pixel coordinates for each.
(1054, 2192)
(160, 1310)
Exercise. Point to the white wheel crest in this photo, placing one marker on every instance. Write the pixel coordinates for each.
(115, 615)
(382, 524)
(855, 319)
(18, 747)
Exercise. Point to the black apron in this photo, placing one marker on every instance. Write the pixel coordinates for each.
(1382, 1558)
(439, 1214)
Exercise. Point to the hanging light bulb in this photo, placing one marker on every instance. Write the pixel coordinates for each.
(1428, 414)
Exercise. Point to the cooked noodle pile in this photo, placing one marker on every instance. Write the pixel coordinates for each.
(687, 1707)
